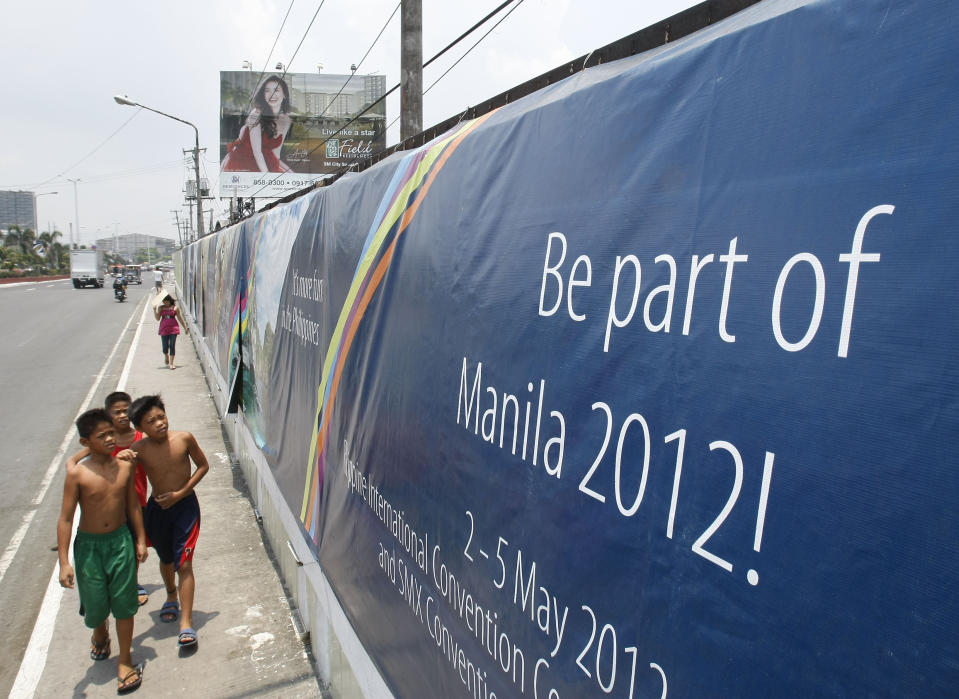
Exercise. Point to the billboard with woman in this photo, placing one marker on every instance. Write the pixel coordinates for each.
(280, 132)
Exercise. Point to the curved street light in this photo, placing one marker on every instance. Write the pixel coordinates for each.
(126, 101)
(36, 196)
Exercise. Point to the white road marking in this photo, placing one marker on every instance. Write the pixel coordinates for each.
(35, 657)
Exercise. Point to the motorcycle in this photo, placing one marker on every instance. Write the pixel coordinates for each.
(120, 292)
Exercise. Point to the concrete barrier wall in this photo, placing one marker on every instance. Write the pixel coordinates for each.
(342, 665)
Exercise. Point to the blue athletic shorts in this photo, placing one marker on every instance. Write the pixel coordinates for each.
(173, 532)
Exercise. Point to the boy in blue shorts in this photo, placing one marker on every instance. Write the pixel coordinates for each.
(104, 553)
(172, 514)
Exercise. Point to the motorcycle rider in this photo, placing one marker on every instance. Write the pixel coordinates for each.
(120, 287)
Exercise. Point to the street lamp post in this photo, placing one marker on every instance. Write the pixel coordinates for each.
(76, 211)
(196, 154)
(35, 197)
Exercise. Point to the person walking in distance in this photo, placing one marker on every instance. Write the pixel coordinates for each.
(158, 279)
(170, 321)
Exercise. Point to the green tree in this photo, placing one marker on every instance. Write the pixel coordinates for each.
(12, 239)
(21, 240)
(59, 257)
(46, 240)
(27, 238)
(11, 258)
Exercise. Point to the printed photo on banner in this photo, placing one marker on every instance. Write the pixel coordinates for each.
(280, 132)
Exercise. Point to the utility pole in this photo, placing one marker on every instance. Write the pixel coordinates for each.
(178, 231)
(76, 210)
(411, 68)
(197, 193)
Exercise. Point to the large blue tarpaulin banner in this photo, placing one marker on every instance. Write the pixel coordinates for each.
(641, 385)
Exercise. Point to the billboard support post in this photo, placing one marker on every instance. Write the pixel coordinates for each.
(411, 69)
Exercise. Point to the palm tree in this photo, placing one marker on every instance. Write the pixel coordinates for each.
(27, 236)
(12, 239)
(60, 257)
(21, 240)
(11, 258)
(47, 240)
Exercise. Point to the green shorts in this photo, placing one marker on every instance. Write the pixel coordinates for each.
(106, 572)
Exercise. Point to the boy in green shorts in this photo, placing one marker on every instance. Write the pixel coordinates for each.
(103, 486)
(117, 405)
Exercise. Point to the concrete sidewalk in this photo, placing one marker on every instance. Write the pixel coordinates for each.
(248, 645)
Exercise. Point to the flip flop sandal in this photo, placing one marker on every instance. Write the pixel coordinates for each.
(100, 651)
(170, 611)
(129, 682)
(142, 592)
(187, 638)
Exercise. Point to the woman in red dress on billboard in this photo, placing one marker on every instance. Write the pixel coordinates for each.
(257, 148)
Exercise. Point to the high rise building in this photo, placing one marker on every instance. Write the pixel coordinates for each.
(18, 209)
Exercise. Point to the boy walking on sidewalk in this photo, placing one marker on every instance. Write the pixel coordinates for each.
(172, 514)
(104, 553)
(117, 405)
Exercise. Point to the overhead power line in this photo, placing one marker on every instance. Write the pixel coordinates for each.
(144, 170)
(473, 29)
(85, 157)
(352, 73)
(397, 86)
(354, 70)
(502, 19)
(308, 27)
(270, 55)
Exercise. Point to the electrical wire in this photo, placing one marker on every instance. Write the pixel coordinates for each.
(269, 56)
(343, 87)
(395, 87)
(470, 31)
(502, 19)
(308, 27)
(358, 65)
(103, 143)
(144, 170)
(216, 202)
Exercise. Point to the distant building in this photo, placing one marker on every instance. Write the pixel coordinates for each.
(128, 245)
(18, 209)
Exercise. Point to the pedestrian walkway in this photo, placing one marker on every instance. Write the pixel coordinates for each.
(248, 645)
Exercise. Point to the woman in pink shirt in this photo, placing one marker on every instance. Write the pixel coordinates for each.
(170, 321)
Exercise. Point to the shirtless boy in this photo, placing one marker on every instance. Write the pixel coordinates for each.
(172, 514)
(104, 553)
(117, 405)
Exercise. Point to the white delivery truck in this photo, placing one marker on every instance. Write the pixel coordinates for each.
(86, 268)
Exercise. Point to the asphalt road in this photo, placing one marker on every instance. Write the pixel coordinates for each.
(55, 343)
